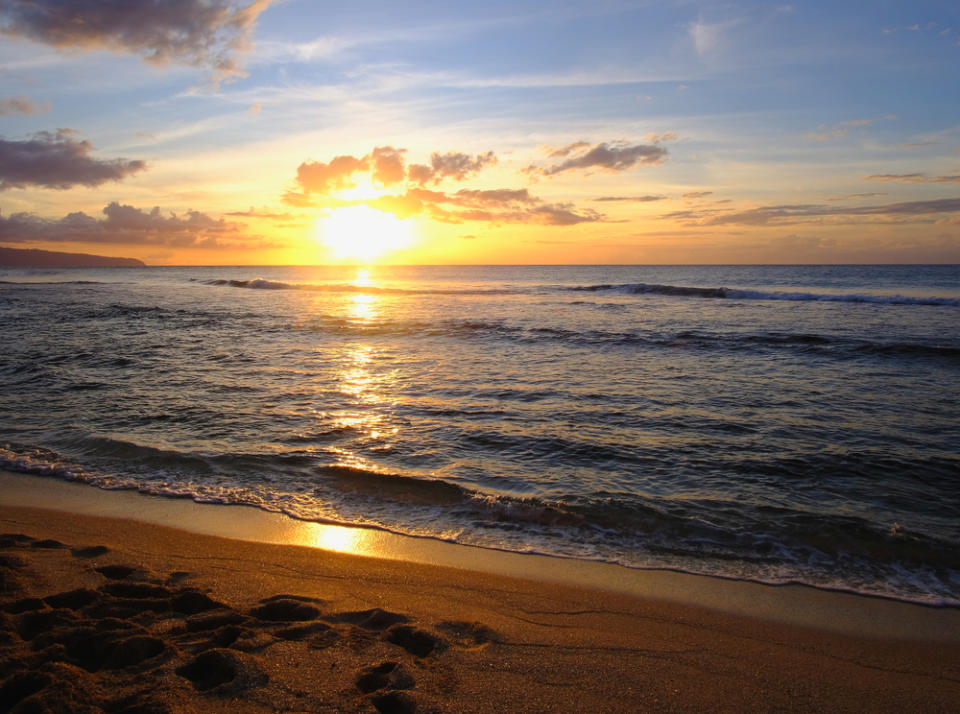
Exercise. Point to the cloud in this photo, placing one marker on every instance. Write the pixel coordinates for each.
(837, 131)
(497, 196)
(22, 105)
(562, 214)
(665, 136)
(454, 165)
(124, 225)
(318, 177)
(388, 168)
(908, 211)
(614, 156)
(319, 183)
(638, 199)
(207, 33)
(693, 195)
(253, 213)
(913, 178)
(564, 151)
(804, 242)
(706, 37)
(847, 196)
(57, 160)
(490, 206)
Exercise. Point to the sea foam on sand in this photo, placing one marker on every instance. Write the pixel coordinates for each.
(106, 613)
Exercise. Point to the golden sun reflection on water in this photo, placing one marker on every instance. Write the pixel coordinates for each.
(363, 279)
(338, 538)
(363, 308)
(360, 382)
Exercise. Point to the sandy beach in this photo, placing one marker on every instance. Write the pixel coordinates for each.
(119, 615)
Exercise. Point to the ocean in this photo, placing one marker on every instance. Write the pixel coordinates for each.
(779, 424)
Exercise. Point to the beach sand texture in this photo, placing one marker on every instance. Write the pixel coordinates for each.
(123, 616)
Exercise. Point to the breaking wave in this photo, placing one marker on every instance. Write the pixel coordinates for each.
(262, 284)
(647, 533)
(717, 293)
(738, 294)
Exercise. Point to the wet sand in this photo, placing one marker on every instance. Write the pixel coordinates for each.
(126, 616)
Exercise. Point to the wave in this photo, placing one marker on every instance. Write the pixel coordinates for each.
(53, 282)
(827, 551)
(715, 293)
(262, 284)
(822, 345)
(739, 294)
(645, 289)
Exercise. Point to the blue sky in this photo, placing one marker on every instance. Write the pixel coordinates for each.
(729, 132)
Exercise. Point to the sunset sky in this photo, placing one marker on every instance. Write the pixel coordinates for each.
(298, 132)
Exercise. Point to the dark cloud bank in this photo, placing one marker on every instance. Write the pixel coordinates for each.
(57, 160)
(122, 224)
(209, 33)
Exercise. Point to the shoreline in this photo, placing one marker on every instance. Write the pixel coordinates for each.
(174, 621)
(786, 604)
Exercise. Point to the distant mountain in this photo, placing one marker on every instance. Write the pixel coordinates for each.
(19, 258)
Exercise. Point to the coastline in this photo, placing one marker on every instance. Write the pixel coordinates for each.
(791, 604)
(444, 639)
(540, 643)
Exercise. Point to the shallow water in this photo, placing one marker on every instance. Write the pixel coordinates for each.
(769, 423)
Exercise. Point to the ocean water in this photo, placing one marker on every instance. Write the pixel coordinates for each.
(777, 424)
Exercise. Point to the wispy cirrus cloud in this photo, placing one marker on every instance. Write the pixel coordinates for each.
(202, 33)
(495, 206)
(913, 178)
(634, 199)
(612, 156)
(254, 213)
(787, 214)
(57, 160)
(707, 36)
(837, 131)
(124, 224)
(848, 196)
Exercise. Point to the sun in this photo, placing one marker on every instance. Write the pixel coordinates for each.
(362, 233)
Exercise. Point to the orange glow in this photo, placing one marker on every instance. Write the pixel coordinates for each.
(363, 233)
(363, 279)
(343, 540)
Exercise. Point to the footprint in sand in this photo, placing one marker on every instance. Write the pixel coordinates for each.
(375, 619)
(287, 608)
(93, 551)
(468, 635)
(387, 675)
(417, 642)
(395, 703)
(222, 672)
(121, 572)
(48, 544)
